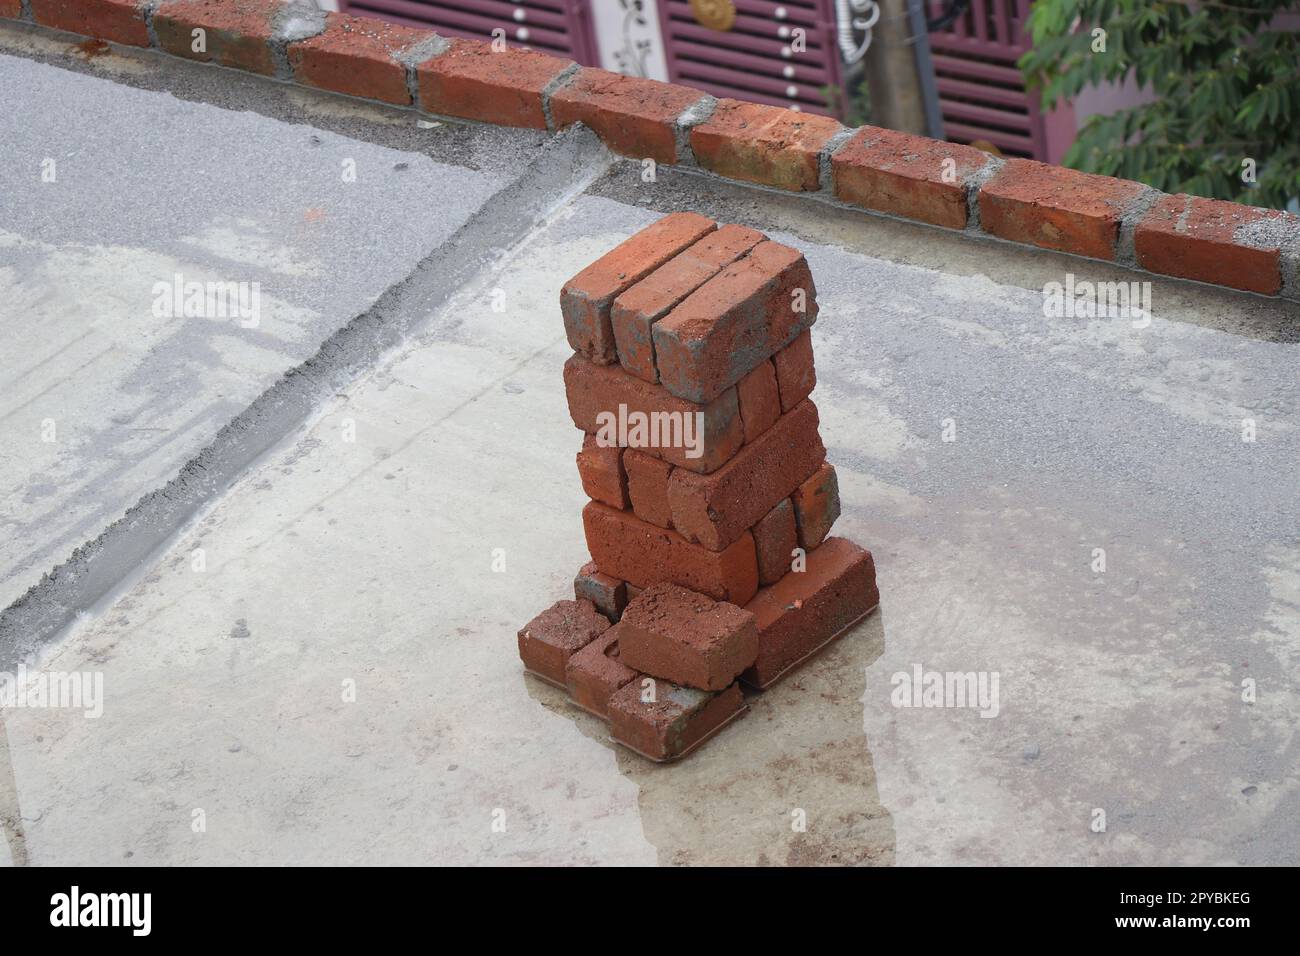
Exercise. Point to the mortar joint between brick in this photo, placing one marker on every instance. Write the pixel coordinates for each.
(558, 82)
(1290, 266)
(147, 9)
(293, 23)
(972, 186)
(825, 177)
(1134, 212)
(412, 56)
(689, 118)
(25, 11)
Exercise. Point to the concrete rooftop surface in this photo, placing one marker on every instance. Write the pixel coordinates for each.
(276, 542)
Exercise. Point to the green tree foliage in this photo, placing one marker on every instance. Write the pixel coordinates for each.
(1227, 90)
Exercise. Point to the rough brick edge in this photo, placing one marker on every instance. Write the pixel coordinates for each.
(300, 21)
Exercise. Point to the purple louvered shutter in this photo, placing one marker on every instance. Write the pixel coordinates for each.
(981, 93)
(754, 60)
(551, 26)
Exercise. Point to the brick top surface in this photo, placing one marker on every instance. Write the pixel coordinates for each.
(685, 616)
(636, 257)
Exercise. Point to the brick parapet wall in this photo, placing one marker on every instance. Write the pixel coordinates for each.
(876, 170)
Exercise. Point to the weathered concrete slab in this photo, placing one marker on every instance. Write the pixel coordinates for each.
(371, 562)
(106, 191)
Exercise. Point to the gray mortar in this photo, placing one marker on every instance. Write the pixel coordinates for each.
(25, 9)
(412, 56)
(825, 178)
(1275, 233)
(1134, 212)
(293, 22)
(149, 8)
(1291, 270)
(695, 114)
(974, 183)
(565, 163)
(558, 82)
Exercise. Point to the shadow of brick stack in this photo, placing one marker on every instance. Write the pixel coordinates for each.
(711, 497)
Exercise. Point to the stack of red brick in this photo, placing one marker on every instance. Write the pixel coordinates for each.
(711, 497)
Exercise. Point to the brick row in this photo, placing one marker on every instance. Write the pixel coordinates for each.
(881, 171)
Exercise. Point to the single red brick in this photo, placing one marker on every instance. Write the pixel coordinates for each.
(671, 632)
(357, 56)
(602, 474)
(719, 508)
(647, 486)
(642, 554)
(816, 506)
(600, 397)
(763, 144)
(634, 116)
(775, 538)
(739, 318)
(471, 80)
(235, 33)
(806, 610)
(635, 312)
(1056, 208)
(11, 9)
(796, 376)
(1215, 241)
(596, 672)
(121, 21)
(674, 721)
(905, 175)
(587, 299)
(548, 640)
(760, 402)
(609, 594)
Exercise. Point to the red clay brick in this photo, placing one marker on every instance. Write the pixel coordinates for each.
(237, 33)
(905, 175)
(763, 144)
(1056, 208)
(760, 402)
(647, 486)
(595, 393)
(796, 375)
(609, 594)
(11, 9)
(471, 81)
(816, 506)
(602, 474)
(587, 298)
(642, 554)
(635, 312)
(121, 21)
(734, 321)
(596, 672)
(356, 56)
(717, 509)
(1211, 241)
(775, 538)
(548, 640)
(678, 719)
(633, 116)
(673, 633)
(808, 609)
